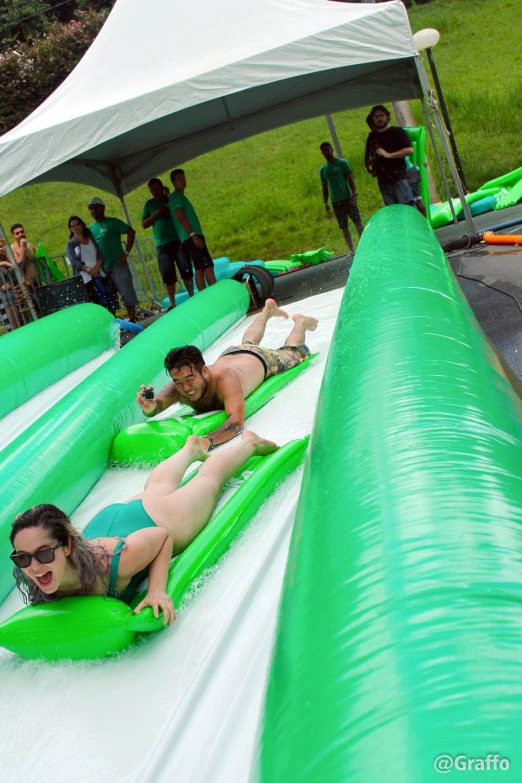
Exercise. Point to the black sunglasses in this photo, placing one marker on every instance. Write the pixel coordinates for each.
(43, 556)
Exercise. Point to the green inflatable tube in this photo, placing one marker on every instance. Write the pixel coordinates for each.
(418, 138)
(442, 215)
(46, 350)
(62, 455)
(505, 181)
(151, 442)
(90, 627)
(399, 637)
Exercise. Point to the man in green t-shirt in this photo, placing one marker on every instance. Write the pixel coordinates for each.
(338, 182)
(170, 251)
(107, 232)
(190, 231)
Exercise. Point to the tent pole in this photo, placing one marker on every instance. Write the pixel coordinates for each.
(439, 161)
(117, 185)
(434, 108)
(335, 137)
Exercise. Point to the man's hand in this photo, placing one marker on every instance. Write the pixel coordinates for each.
(23, 243)
(198, 242)
(327, 207)
(383, 153)
(123, 259)
(147, 406)
(353, 199)
(205, 443)
(159, 213)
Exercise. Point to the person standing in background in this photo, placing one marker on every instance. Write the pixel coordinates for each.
(170, 251)
(189, 231)
(107, 231)
(24, 254)
(86, 259)
(338, 183)
(385, 157)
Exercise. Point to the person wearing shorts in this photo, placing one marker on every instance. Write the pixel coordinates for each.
(274, 360)
(338, 183)
(107, 231)
(189, 231)
(238, 372)
(169, 250)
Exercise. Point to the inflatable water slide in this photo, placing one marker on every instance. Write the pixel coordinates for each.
(355, 621)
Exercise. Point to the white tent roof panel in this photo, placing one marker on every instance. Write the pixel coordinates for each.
(159, 88)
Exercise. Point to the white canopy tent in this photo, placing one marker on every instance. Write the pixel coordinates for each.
(167, 80)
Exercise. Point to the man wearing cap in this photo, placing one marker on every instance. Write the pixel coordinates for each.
(107, 232)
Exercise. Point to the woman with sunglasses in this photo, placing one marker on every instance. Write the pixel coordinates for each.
(85, 257)
(127, 541)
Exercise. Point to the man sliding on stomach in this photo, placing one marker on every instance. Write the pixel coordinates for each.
(236, 374)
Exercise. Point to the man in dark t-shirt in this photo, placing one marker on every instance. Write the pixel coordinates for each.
(386, 150)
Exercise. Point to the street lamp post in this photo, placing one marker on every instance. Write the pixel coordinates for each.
(425, 40)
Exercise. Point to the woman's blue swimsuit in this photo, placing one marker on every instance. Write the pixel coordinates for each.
(120, 520)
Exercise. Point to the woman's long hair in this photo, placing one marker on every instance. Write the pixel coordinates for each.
(85, 231)
(92, 562)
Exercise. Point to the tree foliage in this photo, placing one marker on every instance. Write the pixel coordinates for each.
(21, 21)
(32, 71)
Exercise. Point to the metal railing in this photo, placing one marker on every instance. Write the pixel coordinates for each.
(16, 298)
(14, 293)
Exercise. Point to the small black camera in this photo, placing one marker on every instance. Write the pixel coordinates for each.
(148, 394)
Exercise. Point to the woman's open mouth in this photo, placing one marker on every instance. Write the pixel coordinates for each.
(44, 580)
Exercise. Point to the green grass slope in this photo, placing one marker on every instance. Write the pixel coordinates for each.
(261, 198)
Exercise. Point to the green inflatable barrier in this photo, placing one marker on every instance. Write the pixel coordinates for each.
(399, 635)
(512, 197)
(508, 180)
(60, 457)
(311, 257)
(93, 627)
(418, 139)
(46, 267)
(40, 353)
(151, 442)
(442, 215)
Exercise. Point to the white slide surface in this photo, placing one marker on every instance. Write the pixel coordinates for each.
(185, 706)
(18, 420)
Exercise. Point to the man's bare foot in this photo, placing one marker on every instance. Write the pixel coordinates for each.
(308, 323)
(193, 443)
(271, 310)
(261, 446)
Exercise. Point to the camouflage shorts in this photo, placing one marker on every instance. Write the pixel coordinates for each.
(275, 360)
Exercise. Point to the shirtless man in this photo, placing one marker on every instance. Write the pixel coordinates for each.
(24, 254)
(236, 374)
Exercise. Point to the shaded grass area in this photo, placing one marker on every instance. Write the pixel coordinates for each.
(261, 198)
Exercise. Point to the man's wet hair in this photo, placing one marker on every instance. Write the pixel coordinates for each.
(186, 356)
(175, 173)
(15, 226)
(153, 181)
(325, 144)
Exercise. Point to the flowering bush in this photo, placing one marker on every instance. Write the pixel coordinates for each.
(30, 73)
